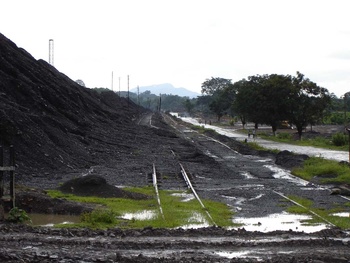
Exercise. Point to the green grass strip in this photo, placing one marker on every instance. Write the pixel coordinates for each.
(177, 213)
(323, 214)
(327, 170)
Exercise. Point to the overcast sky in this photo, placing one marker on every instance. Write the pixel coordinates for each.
(184, 42)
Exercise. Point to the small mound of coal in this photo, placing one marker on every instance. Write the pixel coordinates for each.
(94, 185)
(290, 160)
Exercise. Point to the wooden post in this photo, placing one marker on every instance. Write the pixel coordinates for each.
(12, 176)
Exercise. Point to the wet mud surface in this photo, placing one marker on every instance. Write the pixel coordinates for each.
(213, 244)
(245, 182)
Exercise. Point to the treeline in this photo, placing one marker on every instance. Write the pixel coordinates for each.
(269, 99)
(163, 102)
(262, 99)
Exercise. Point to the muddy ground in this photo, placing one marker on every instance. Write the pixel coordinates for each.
(214, 178)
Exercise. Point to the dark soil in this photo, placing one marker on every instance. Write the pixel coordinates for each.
(63, 131)
(93, 185)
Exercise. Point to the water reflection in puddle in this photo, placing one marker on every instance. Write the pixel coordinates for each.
(263, 160)
(250, 253)
(284, 174)
(185, 196)
(282, 221)
(247, 175)
(229, 157)
(207, 152)
(52, 219)
(142, 215)
(196, 221)
(342, 214)
(236, 254)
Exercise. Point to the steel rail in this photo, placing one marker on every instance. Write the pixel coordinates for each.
(150, 122)
(141, 118)
(311, 212)
(155, 185)
(278, 193)
(189, 184)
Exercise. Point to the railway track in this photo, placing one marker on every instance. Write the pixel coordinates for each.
(254, 186)
(178, 180)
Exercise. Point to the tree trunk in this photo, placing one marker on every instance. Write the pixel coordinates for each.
(243, 122)
(274, 129)
(300, 131)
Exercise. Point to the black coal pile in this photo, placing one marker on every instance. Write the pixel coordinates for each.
(54, 123)
(94, 185)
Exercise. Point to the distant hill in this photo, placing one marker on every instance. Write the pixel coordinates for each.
(167, 88)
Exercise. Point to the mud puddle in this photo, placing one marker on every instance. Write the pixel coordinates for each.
(52, 219)
(281, 221)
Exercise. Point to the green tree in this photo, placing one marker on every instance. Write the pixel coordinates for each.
(202, 104)
(307, 102)
(188, 105)
(274, 95)
(249, 99)
(270, 99)
(241, 103)
(218, 89)
(222, 100)
(213, 85)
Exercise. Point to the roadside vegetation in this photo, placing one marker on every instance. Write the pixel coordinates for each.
(337, 141)
(177, 213)
(202, 129)
(328, 171)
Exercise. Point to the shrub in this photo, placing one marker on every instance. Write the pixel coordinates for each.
(339, 139)
(284, 136)
(99, 216)
(17, 215)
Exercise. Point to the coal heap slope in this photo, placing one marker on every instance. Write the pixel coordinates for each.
(53, 122)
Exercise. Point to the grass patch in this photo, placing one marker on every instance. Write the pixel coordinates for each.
(342, 222)
(318, 141)
(332, 171)
(258, 147)
(201, 129)
(176, 212)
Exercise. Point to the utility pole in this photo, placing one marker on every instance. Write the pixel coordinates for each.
(51, 52)
(119, 86)
(128, 91)
(112, 81)
(138, 95)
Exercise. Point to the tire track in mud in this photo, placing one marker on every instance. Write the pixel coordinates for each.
(149, 245)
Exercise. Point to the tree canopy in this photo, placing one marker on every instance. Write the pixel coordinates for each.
(213, 85)
(221, 95)
(269, 99)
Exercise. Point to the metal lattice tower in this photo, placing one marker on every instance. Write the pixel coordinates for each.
(51, 52)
